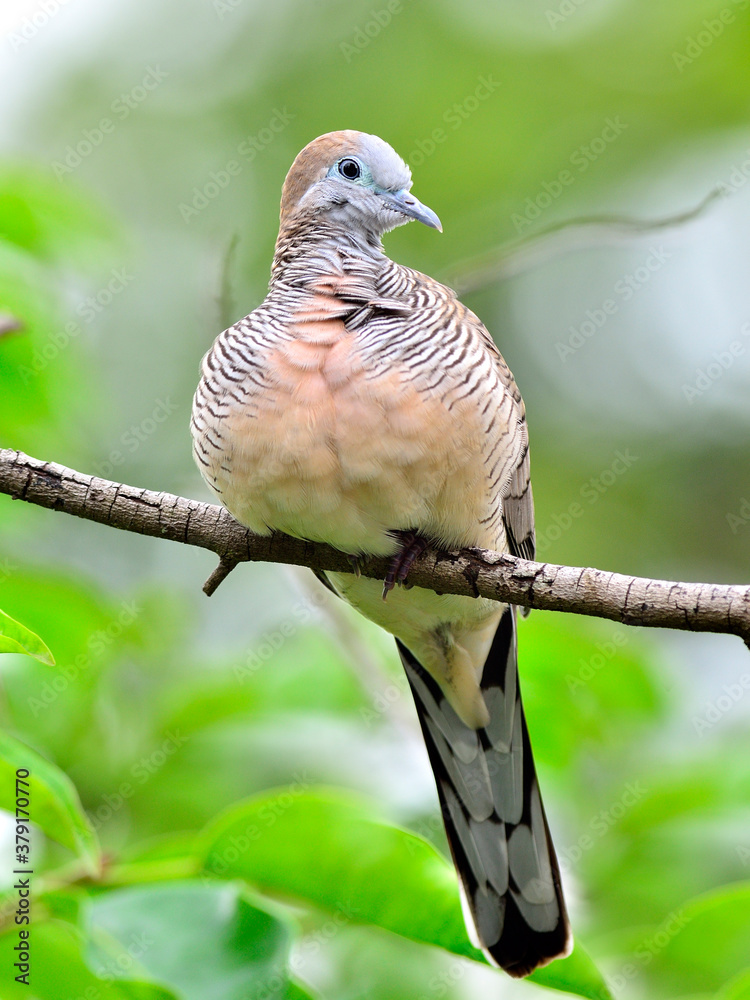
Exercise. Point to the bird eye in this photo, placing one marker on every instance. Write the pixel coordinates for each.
(350, 169)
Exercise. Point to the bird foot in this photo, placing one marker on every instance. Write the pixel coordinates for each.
(356, 564)
(412, 546)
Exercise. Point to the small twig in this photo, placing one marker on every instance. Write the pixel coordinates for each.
(9, 324)
(373, 679)
(222, 571)
(225, 298)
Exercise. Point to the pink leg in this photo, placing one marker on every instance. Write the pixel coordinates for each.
(412, 545)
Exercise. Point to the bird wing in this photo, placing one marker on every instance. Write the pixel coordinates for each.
(518, 508)
(516, 495)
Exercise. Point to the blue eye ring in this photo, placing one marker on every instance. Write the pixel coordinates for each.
(349, 168)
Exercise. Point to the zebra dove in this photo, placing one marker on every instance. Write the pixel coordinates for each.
(362, 405)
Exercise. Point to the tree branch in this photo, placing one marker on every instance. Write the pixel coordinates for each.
(696, 607)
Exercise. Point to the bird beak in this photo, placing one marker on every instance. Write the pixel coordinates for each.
(407, 204)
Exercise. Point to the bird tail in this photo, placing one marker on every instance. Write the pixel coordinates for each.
(493, 814)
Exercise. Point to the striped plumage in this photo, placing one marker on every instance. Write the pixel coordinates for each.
(361, 399)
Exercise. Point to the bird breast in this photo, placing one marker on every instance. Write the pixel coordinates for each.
(343, 445)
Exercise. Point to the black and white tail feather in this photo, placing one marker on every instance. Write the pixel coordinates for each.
(493, 814)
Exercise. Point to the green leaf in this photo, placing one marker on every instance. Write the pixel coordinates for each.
(701, 945)
(65, 904)
(576, 974)
(54, 805)
(16, 638)
(59, 972)
(308, 673)
(295, 991)
(49, 220)
(164, 848)
(327, 848)
(206, 941)
(599, 670)
(39, 374)
(737, 989)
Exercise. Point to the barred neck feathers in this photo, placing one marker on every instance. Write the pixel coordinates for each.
(311, 248)
(342, 193)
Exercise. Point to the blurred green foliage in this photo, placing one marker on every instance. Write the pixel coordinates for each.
(138, 213)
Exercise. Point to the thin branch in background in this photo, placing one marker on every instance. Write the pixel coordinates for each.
(562, 237)
(371, 677)
(225, 297)
(9, 324)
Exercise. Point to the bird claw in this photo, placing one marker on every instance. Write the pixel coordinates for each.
(412, 546)
(356, 564)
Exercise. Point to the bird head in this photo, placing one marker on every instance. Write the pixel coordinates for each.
(354, 180)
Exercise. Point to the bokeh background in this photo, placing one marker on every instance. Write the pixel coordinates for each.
(589, 160)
